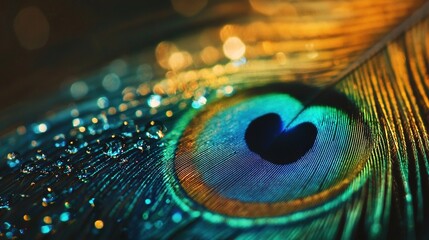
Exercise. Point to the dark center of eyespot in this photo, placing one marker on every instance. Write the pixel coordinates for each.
(266, 135)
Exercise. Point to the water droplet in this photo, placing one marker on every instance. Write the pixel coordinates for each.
(176, 217)
(40, 128)
(123, 160)
(6, 225)
(65, 216)
(67, 169)
(142, 145)
(225, 91)
(77, 122)
(98, 125)
(45, 170)
(139, 113)
(155, 130)
(59, 163)
(29, 167)
(12, 155)
(199, 102)
(26, 217)
(49, 198)
(59, 140)
(158, 224)
(127, 128)
(84, 175)
(92, 202)
(114, 146)
(40, 156)
(45, 229)
(103, 102)
(147, 225)
(99, 224)
(12, 159)
(154, 101)
(75, 145)
(4, 203)
(47, 220)
(71, 148)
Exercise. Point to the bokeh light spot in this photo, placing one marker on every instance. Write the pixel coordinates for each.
(99, 224)
(234, 48)
(31, 28)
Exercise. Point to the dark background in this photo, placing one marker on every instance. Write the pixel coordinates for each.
(84, 35)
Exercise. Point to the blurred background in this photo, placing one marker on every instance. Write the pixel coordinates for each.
(44, 44)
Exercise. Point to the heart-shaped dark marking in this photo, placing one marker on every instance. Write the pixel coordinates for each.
(267, 136)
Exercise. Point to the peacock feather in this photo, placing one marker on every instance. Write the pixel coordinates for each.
(298, 120)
